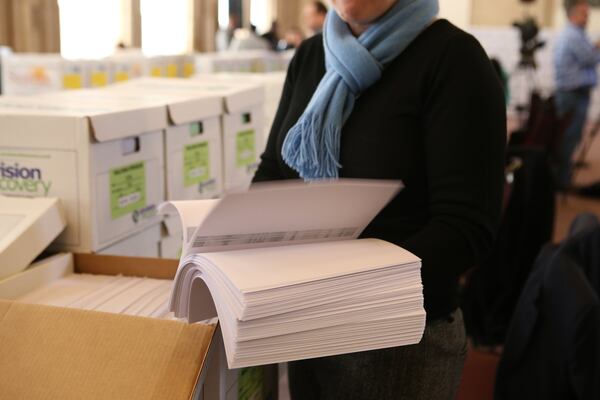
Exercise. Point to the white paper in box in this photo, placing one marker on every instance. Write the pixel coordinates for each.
(104, 161)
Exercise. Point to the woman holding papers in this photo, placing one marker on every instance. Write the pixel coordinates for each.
(390, 92)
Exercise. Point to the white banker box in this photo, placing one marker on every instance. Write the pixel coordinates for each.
(272, 82)
(127, 65)
(97, 73)
(103, 160)
(193, 149)
(29, 73)
(193, 168)
(27, 227)
(241, 124)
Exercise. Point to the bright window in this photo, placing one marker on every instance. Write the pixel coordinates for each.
(165, 26)
(89, 28)
(261, 15)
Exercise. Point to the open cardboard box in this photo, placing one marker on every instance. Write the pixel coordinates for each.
(62, 353)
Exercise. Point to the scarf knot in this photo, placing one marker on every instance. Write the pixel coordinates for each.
(312, 146)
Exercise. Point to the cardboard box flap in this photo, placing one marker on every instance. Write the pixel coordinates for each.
(50, 352)
(184, 105)
(125, 123)
(110, 118)
(237, 96)
(181, 112)
(241, 99)
(36, 276)
(27, 225)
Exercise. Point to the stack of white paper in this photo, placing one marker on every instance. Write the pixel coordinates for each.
(280, 304)
(114, 294)
(288, 277)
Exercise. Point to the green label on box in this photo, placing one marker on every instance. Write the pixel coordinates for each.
(245, 148)
(196, 165)
(127, 189)
(250, 383)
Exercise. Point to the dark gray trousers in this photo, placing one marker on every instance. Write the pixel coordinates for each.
(430, 370)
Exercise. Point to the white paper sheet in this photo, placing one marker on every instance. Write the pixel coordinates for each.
(191, 213)
(284, 213)
(260, 269)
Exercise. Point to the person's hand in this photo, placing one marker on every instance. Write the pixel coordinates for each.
(597, 44)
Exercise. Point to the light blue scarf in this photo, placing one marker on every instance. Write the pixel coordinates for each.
(312, 146)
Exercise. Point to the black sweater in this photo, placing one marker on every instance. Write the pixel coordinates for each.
(436, 120)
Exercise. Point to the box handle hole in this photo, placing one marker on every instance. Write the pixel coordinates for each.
(130, 145)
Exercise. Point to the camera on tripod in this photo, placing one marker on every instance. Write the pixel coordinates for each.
(530, 43)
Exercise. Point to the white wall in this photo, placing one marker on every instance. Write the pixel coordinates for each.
(456, 11)
(459, 12)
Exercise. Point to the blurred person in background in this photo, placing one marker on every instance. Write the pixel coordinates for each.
(248, 39)
(224, 37)
(314, 16)
(272, 36)
(575, 60)
(292, 40)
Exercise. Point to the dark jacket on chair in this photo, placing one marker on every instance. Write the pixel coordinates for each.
(493, 289)
(552, 350)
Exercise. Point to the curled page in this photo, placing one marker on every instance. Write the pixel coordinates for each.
(191, 213)
(288, 212)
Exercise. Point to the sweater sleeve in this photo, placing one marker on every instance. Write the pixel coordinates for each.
(268, 168)
(464, 125)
